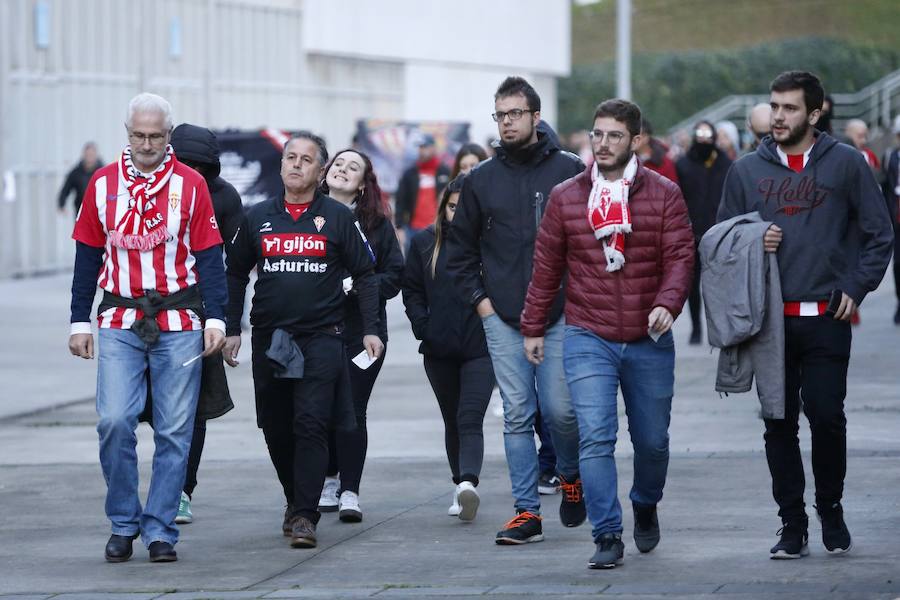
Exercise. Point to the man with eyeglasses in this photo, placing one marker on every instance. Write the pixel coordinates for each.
(148, 237)
(701, 175)
(620, 233)
(490, 256)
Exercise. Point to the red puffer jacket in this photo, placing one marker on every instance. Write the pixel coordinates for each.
(659, 260)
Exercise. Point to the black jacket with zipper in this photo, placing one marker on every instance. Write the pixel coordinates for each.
(500, 209)
(388, 273)
(447, 326)
(300, 268)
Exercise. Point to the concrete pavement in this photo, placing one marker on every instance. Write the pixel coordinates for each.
(718, 519)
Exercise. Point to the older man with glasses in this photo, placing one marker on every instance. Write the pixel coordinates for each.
(147, 236)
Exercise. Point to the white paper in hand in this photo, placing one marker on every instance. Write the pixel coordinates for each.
(363, 361)
(654, 335)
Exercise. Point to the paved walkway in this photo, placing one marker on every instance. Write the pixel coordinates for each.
(718, 519)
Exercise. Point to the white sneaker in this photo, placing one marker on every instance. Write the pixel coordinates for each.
(349, 508)
(468, 500)
(454, 509)
(328, 501)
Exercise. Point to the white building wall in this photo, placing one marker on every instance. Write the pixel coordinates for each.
(245, 64)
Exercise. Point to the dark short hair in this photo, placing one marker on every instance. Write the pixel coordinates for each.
(813, 92)
(513, 85)
(622, 111)
(310, 136)
(646, 126)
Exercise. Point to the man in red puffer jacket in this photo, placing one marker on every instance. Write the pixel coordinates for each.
(623, 235)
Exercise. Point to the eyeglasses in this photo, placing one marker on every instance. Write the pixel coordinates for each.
(140, 138)
(612, 137)
(514, 114)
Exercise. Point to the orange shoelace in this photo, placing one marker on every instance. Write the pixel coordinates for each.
(520, 519)
(571, 491)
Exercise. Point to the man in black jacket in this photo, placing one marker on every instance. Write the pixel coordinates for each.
(418, 191)
(490, 258)
(301, 245)
(891, 186)
(198, 148)
(701, 175)
(78, 178)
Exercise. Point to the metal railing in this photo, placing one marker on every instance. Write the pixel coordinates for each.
(875, 104)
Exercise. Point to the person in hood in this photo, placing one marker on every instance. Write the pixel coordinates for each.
(832, 236)
(701, 175)
(198, 148)
(490, 257)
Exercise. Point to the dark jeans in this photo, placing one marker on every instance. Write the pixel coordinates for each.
(546, 453)
(347, 449)
(817, 351)
(694, 302)
(463, 389)
(196, 451)
(296, 415)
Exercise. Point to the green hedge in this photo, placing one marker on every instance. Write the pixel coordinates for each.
(672, 86)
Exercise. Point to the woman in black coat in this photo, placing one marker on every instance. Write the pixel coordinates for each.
(455, 352)
(350, 179)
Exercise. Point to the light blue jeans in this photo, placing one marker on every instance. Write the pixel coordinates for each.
(595, 368)
(522, 386)
(124, 361)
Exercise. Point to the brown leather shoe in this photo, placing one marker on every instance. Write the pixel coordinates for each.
(286, 523)
(303, 533)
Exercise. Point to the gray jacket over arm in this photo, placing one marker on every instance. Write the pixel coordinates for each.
(741, 292)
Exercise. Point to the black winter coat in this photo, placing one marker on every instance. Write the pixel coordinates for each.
(500, 209)
(447, 326)
(388, 273)
(702, 188)
(77, 181)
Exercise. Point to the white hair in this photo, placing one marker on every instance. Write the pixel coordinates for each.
(730, 130)
(146, 102)
(856, 124)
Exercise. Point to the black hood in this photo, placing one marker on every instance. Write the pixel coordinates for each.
(197, 144)
(823, 143)
(547, 142)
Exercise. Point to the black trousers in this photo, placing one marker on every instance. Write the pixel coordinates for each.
(897, 261)
(463, 390)
(347, 448)
(694, 302)
(297, 414)
(817, 352)
(196, 451)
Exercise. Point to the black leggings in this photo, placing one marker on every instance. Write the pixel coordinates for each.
(463, 389)
(190, 478)
(694, 301)
(347, 449)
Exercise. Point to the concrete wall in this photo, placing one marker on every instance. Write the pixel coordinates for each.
(245, 64)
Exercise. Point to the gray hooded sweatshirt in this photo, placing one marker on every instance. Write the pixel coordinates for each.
(744, 312)
(837, 231)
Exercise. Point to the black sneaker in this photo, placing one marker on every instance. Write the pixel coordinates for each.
(548, 484)
(646, 526)
(610, 552)
(835, 534)
(524, 528)
(571, 510)
(793, 543)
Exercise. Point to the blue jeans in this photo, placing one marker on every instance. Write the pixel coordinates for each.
(595, 368)
(522, 386)
(121, 394)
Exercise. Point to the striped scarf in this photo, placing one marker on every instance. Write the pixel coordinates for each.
(608, 212)
(142, 227)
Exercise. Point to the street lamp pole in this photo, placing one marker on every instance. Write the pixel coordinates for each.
(623, 49)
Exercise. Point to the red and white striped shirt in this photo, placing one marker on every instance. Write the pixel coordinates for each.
(186, 208)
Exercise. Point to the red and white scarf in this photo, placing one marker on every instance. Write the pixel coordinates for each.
(608, 212)
(142, 227)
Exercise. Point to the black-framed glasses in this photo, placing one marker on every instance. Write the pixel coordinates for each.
(613, 137)
(514, 114)
(140, 138)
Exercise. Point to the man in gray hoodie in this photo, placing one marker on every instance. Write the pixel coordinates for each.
(833, 240)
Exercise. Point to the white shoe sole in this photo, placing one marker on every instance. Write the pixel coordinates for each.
(468, 503)
(782, 555)
(453, 511)
(183, 520)
(504, 541)
(610, 565)
(839, 551)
